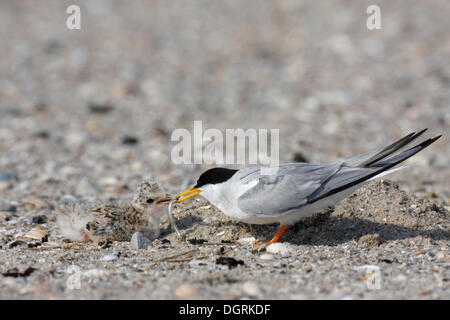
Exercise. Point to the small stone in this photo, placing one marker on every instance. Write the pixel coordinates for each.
(39, 219)
(68, 199)
(7, 206)
(441, 256)
(198, 263)
(109, 181)
(280, 248)
(246, 240)
(299, 157)
(400, 278)
(6, 176)
(229, 261)
(130, 140)
(185, 291)
(251, 289)
(96, 108)
(42, 134)
(4, 185)
(196, 241)
(139, 241)
(266, 256)
(110, 257)
(34, 244)
(92, 125)
(370, 240)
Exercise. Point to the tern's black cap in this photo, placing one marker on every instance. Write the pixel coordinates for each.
(214, 176)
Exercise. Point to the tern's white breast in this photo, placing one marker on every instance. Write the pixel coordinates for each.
(225, 196)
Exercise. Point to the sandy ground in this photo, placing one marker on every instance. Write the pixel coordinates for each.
(89, 114)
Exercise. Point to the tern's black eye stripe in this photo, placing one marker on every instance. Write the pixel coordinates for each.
(214, 175)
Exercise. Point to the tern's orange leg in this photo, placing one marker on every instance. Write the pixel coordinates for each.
(278, 236)
(86, 238)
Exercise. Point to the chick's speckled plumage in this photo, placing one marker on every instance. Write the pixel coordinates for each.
(117, 222)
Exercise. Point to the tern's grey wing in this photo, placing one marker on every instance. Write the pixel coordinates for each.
(286, 190)
(297, 185)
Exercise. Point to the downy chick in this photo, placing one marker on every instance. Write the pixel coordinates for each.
(117, 222)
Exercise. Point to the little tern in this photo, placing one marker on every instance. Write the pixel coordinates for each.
(296, 190)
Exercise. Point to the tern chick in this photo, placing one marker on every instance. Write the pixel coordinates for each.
(117, 222)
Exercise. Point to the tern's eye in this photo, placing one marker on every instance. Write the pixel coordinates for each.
(150, 200)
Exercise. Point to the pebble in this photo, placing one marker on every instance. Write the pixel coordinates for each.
(98, 108)
(110, 257)
(39, 219)
(109, 181)
(5, 205)
(400, 278)
(130, 140)
(199, 263)
(6, 177)
(139, 241)
(441, 256)
(266, 256)
(4, 185)
(251, 289)
(230, 262)
(280, 248)
(68, 199)
(246, 240)
(185, 291)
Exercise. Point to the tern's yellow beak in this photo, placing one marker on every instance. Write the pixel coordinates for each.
(190, 193)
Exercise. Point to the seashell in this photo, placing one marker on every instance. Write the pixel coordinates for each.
(37, 233)
(50, 245)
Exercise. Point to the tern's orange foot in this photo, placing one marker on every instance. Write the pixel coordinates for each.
(277, 237)
(86, 238)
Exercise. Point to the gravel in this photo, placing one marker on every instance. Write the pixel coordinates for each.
(88, 114)
(139, 241)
